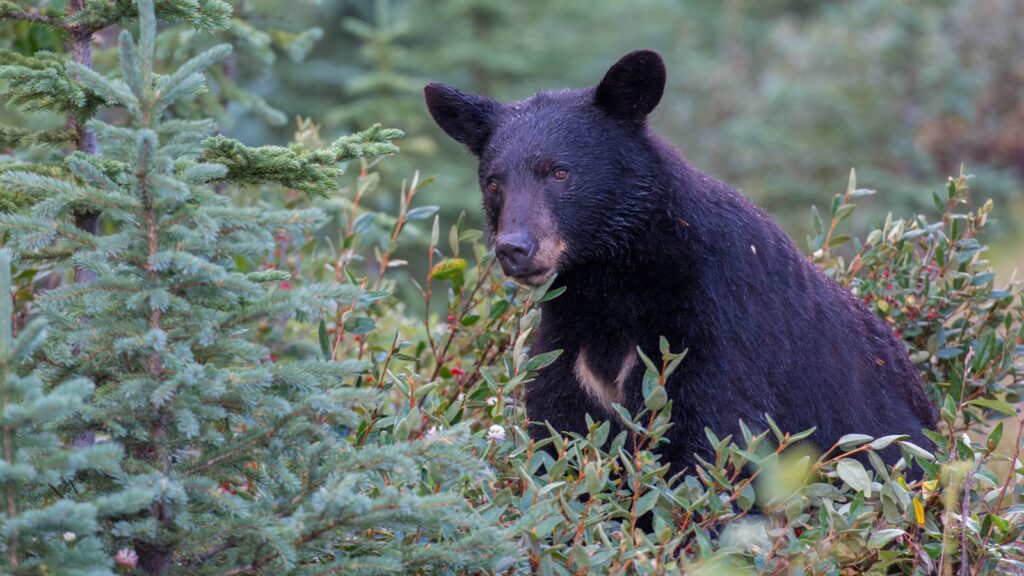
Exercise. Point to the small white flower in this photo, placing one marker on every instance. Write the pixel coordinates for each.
(432, 433)
(70, 536)
(460, 397)
(496, 432)
(492, 401)
(819, 253)
(126, 557)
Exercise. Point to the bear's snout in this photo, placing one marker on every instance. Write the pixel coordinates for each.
(515, 252)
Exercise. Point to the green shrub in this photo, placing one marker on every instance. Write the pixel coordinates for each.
(583, 510)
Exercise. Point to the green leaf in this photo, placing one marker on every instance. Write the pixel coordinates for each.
(359, 325)
(542, 360)
(994, 437)
(838, 240)
(801, 435)
(421, 213)
(747, 497)
(882, 537)
(552, 294)
(779, 436)
(948, 411)
(592, 474)
(845, 210)
(657, 399)
(651, 368)
(916, 450)
(818, 226)
(853, 440)
(853, 473)
(885, 441)
(1000, 406)
(325, 341)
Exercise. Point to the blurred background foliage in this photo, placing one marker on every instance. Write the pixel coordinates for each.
(777, 97)
(780, 97)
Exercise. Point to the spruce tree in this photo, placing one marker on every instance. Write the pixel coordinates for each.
(233, 463)
(41, 526)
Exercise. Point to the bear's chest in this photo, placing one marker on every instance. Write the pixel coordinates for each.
(603, 373)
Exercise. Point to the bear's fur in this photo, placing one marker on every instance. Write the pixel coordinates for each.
(576, 183)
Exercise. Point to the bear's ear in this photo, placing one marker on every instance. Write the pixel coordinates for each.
(633, 86)
(468, 118)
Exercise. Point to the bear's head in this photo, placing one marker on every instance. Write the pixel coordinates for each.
(567, 177)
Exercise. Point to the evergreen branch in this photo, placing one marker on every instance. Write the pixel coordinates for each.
(244, 446)
(41, 82)
(203, 15)
(195, 65)
(297, 167)
(11, 11)
(112, 91)
(297, 46)
(13, 137)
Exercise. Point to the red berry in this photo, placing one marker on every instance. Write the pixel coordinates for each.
(458, 371)
(451, 318)
(286, 285)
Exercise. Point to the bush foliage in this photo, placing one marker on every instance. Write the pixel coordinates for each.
(230, 382)
(607, 505)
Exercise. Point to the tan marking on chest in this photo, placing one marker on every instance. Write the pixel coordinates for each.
(600, 389)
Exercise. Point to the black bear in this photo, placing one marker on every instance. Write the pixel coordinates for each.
(576, 183)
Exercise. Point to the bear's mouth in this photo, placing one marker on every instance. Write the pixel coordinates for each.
(534, 278)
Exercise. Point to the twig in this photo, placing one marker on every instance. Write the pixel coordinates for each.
(965, 511)
(1010, 479)
(243, 447)
(35, 17)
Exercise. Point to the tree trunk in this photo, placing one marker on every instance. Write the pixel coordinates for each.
(85, 139)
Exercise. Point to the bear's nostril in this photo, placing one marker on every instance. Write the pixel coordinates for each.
(514, 251)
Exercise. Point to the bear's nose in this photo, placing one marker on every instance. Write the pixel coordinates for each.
(514, 251)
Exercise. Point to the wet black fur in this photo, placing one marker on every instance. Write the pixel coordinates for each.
(657, 248)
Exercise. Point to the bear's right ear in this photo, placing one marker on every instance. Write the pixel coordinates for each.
(468, 118)
(633, 86)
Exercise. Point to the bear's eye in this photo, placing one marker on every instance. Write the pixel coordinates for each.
(492, 187)
(560, 174)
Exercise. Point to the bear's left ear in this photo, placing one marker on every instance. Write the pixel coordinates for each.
(633, 86)
(468, 118)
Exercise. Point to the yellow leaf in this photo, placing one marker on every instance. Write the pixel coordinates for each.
(929, 487)
(919, 512)
(448, 269)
